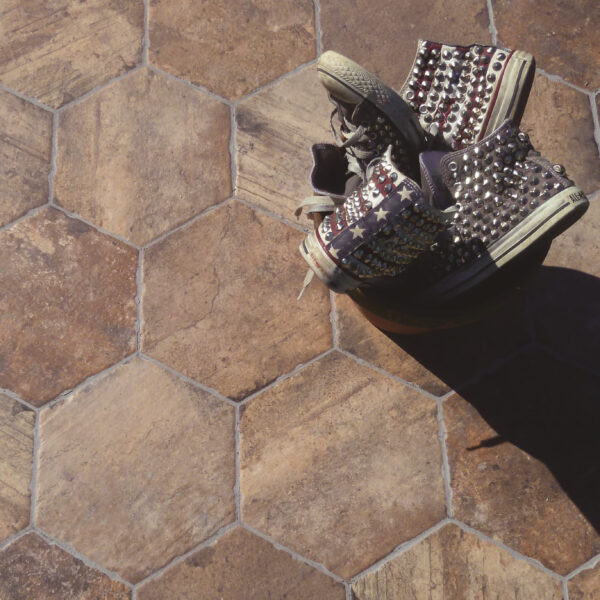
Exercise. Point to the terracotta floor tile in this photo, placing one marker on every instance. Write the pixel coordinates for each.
(35, 570)
(57, 51)
(383, 36)
(560, 35)
(67, 304)
(25, 144)
(143, 155)
(219, 301)
(231, 48)
(242, 566)
(454, 564)
(522, 448)
(16, 457)
(341, 464)
(136, 468)
(559, 121)
(276, 128)
(585, 585)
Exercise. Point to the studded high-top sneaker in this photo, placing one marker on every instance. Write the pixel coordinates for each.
(504, 198)
(379, 231)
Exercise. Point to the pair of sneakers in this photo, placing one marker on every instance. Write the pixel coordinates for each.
(432, 189)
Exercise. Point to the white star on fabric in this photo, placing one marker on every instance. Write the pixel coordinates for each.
(334, 252)
(381, 214)
(405, 193)
(357, 232)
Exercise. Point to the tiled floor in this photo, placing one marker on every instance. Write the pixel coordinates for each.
(173, 423)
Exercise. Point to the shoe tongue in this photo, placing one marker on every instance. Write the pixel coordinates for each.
(435, 192)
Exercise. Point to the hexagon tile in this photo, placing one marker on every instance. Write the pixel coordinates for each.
(585, 585)
(16, 450)
(341, 464)
(25, 142)
(57, 51)
(231, 48)
(241, 566)
(67, 304)
(115, 480)
(522, 445)
(453, 564)
(143, 155)
(237, 325)
(32, 569)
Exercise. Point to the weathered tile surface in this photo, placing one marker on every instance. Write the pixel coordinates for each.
(231, 48)
(559, 34)
(522, 450)
(585, 585)
(341, 464)
(440, 360)
(276, 128)
(16, 457)
(242, 566)
(25, 143)
(136, 468)
(383, 36)
(559, 121)
(454, 564)
(143, 155)
(219, 301)
(67, 304)
(35, 570)
(57, 51)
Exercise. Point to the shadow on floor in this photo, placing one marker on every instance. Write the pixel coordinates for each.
(545, 402)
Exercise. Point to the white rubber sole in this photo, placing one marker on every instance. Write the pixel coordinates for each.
(549, 220)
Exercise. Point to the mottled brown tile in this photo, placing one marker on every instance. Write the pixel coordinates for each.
(143, 155)
(136, 468)
(341, 464)
(522, 447)
(242, 566)
(35, 570)
(231, 48)
(585, 585)
(276, 128)
(25, 144)
(219, 301)
(561, 35)
(383, 36)
(559, 121)
(454, 564)
(67, 304)
(57, 51)
(16, 458)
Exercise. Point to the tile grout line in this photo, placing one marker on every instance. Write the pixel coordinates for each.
(559, 79)
(29, 99)
(318, 31)
(237, 488)
(233, 148)
(98, 88)
(320, 567)
(365, 363)
(400, 549)
(334, 321)
(138, 300)
(565, 589)
(53, 158)
(87, 381)
(190, 380)
(442, 434)
(492, 26)
(15, 536)
(273, 215)
(588, 564)
(514, 553)
(348, 587)
(186, 82)
(182, 557)
(594, 103)
(299, 367)
(146, 38)
(190, 221)
(31, 212)
(34, 469)
(86, 560)
(18, 399)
